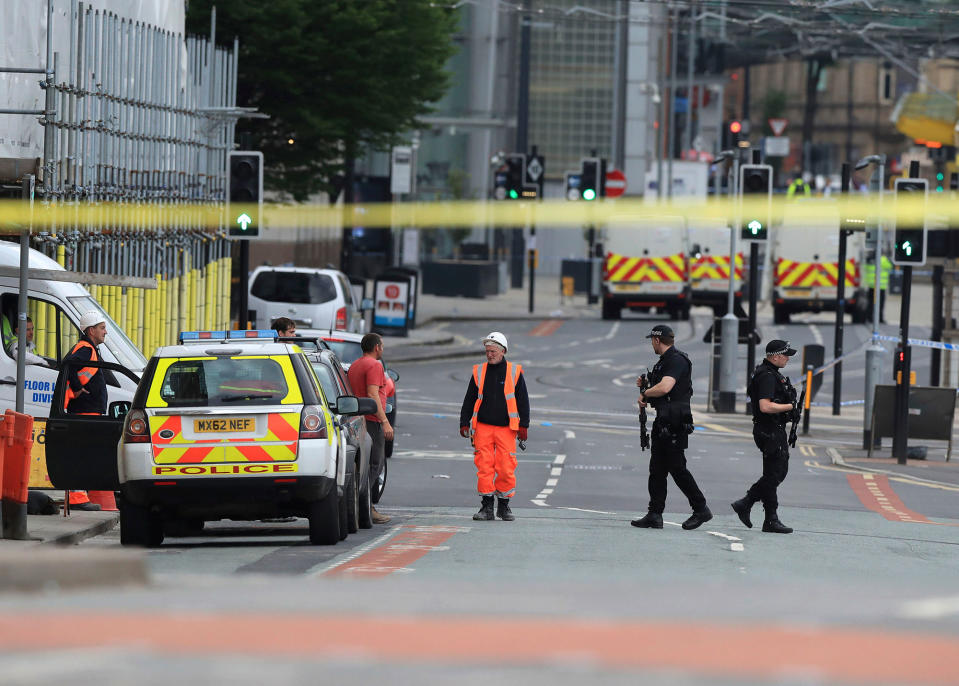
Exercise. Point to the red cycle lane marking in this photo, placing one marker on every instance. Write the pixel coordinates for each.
(761, 651)
(875, 493)
(398, 552)
(547, 328)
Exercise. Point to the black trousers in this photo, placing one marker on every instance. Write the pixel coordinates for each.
(667, 459)
(882, 304)
(771, 440)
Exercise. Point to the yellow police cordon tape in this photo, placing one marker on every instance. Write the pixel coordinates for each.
(939, 211)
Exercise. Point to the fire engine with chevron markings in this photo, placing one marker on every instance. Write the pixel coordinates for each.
(646, 267)
(804, 267)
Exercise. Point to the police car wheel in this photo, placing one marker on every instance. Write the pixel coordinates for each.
(139, 526)
(365, 520)
(325, 520)
(352, 503)
(342, 514)
(380, 485)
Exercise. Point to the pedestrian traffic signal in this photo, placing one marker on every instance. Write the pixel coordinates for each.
(910, 245)
(756, 187)
(592, 178)
(572, 186)
(245, 200)
(735, 127)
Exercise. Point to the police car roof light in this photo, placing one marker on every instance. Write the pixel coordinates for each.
(223, 336)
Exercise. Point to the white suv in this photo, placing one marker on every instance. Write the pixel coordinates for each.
(313, 298)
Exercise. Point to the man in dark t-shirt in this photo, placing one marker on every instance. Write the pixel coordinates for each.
(670, 388)
(773, 401)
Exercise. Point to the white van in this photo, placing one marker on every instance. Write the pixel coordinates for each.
(646, 266)
(313, 298)
(805, 267)
(55, 308)
(709, 266)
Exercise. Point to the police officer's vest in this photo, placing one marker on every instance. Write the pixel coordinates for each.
(85, 374)
(682, 391)
(781, 394)
(509, 388)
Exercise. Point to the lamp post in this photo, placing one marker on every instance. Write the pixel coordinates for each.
(875, 351)
(729, 336)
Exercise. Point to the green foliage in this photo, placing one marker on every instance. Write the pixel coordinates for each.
(333, 75)
(774, 107)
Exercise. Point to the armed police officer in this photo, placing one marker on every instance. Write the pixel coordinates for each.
(773, 401)
(669, 390)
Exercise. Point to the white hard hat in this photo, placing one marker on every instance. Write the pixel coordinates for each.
(498, 338)
(91, 318)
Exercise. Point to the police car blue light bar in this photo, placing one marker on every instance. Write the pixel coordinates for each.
(194, 336)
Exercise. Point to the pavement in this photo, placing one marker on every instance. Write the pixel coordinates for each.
(52, 560)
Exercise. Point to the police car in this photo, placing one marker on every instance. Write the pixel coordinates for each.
(226, 424)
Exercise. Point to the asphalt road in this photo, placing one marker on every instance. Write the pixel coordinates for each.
(862, 592)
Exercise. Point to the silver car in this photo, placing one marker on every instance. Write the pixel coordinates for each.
(313, 298)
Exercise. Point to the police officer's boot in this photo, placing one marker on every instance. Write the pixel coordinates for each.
(742, 507)
(486, 511)
(503, 511)
(698, 519)
(651, 520)
(772, 525)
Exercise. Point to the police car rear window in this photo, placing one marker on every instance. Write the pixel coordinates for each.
(223, 382)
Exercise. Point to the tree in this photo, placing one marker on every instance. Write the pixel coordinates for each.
(334, 76)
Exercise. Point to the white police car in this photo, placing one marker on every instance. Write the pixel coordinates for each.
(227, 424)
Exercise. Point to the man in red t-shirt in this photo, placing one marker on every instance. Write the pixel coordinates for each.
(368, 379)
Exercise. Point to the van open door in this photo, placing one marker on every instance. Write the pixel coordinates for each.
(81, 450)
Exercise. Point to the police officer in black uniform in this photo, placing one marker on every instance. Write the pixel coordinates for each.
(773, 401)
(670, 388)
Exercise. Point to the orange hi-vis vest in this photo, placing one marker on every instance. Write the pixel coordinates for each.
(85, 374)
(509, 388)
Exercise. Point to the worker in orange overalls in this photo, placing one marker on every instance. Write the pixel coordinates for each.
(87, 389)
(495, 412)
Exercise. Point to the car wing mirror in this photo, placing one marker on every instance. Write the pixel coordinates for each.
(119, 409)
(347, 404)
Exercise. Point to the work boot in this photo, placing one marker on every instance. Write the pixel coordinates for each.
(772, 525)
(87, 507)
(503, 511)
(651, 520)
(485, 513)
(697, 519)
(379, 517)
(742, 507)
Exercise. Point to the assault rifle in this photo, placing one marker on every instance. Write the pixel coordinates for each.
(797, 417)
(643, 434)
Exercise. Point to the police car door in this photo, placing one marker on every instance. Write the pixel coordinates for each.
(81, 450)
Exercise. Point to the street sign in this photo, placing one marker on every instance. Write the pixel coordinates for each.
(401, 170)
(615, 183)
(778, 126)
(777, 146)
(535, 173)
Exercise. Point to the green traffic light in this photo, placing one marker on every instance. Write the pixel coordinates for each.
(907, 248)
(755, 226)
(589, 194)
(938, 189)
(940, 176)
(513, 194)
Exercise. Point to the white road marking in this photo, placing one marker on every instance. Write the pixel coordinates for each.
(816, 333)
(541, 503)
(556, 471)
(570, 435)
(612, 331)
(930, 608)
(736, 547)
(361, 550)
(580, 509)
(560, 459)
(551, 482)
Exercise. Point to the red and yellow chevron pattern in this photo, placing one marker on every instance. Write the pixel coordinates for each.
(715, 267)
(641, 269)
(791, 274)
(278, 445)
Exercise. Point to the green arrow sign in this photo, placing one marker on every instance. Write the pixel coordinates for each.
(755, 226)
(244, 220)
(907, 248)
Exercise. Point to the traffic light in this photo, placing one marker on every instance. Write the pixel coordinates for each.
(910, 246)
(515, 175)
(940, 182)
(573, 180)
(755, 183)
(245, 202)
(592, 178)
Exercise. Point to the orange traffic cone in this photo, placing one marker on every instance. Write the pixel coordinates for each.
(104, 499)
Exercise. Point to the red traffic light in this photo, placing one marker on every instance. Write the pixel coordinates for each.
(735, 127)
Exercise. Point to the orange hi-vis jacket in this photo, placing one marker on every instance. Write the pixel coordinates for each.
(85, 374)
(509, 388)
